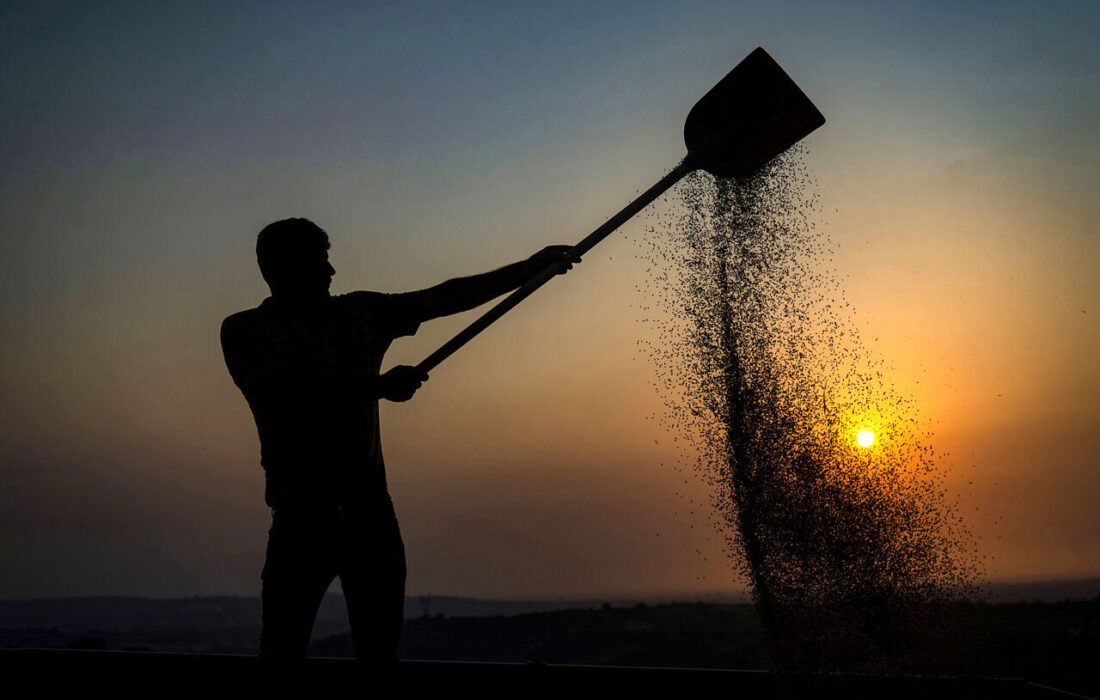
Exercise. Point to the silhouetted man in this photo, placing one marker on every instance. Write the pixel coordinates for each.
(309, 365)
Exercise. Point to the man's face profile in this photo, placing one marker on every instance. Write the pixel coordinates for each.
(293, 259)
(307, 275)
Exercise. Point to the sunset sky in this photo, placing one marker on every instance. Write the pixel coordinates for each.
(144, 145)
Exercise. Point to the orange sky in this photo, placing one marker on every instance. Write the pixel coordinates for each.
(956, 177)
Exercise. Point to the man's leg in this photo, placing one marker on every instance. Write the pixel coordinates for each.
(373, 578)
(301, 563)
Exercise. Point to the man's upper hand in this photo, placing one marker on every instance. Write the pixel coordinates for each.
(400, 383)
(552, 255)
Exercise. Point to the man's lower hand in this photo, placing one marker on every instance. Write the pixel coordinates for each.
(401, 382)
(552, 255)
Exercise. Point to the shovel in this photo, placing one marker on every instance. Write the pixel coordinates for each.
(752, 115)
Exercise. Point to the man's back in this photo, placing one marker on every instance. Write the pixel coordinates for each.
(303, 370)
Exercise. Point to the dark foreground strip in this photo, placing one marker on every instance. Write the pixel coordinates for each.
(1063, 693)
(149, 674)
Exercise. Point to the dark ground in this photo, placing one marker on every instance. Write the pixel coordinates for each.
(144, 674)
(1055, 644)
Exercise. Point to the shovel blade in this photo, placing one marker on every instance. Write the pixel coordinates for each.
(752, 115)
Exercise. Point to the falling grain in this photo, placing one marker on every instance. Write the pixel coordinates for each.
(856, 557)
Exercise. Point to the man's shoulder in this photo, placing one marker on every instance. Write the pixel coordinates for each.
(241, 319)
(244, 323)
(397, 300)
(359, 297)
(361, 302)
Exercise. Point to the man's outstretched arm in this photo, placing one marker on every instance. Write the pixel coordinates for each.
(465, 293)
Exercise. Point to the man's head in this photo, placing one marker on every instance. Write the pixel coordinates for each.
(293, 258)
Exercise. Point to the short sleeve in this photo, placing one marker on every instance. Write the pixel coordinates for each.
(404, 312)
(395, 315)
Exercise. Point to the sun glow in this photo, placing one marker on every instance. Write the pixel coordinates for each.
(865, 438)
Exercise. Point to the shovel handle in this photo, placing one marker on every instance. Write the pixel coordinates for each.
(447, 349)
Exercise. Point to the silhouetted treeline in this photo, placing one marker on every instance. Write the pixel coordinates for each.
(1036, 640)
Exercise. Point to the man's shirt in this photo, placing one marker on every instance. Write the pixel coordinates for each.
(309, 378)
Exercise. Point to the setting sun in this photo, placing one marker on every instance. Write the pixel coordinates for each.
(865, 438)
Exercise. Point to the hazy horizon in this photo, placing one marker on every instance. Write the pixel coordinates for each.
(998, 591)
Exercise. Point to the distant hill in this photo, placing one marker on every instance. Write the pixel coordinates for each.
(217, 624)
(1042, 591)
(682, 635)
(1036, 640)
(221, 611)
(1058, 640)
(232, 624)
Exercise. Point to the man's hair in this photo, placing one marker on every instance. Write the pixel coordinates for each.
(281, 244)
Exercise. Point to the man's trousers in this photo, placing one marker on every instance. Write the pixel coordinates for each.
(308, 546)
